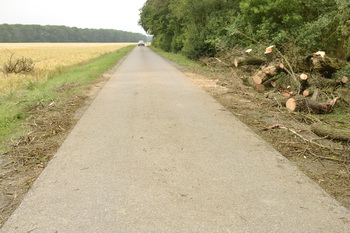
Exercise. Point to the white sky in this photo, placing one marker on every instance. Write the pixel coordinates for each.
(106, 14)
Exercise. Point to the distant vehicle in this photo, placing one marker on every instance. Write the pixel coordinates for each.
(141, 43)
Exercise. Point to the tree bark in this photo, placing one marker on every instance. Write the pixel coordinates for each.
(306, 105)
(330, 131)
(265, 73)
(249, 60)
(325, 65)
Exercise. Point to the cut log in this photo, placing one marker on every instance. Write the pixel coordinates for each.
(249, 60)
(344, 80)
(248, 51)
(269, 49)
(304, 84)
(306, 105)
(235, 62)
(303, 77)
(327, 66)
(331, 131)
(315, 94)
(270, 53)
(306, 93)
(270, 70)
(265, 73)
(321, 54)
(291, 104)
(260, 87)
(273, 83)
(259, 77)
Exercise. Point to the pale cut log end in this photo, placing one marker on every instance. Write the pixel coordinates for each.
(306, 93)
(257, 79)
(344, 80)
(235, 62)
(322, 54)
(273, 83)
(303, 77)
(269, 49)
(291, 104)
(248, 51)
(270, 70)
(281, 66)
(260, 87)
(333, 102)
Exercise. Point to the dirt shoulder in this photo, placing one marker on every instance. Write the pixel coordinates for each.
(324, 161)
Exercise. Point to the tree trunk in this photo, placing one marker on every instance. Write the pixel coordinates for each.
(265, 73)
(249, 60)
(344, 80)
(306, 105)
(325, 65)
(304, 84)
(330, 131)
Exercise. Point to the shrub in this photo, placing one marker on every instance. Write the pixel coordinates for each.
(19, 65)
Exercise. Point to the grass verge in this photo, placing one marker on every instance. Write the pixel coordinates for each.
(178, 58)
(15, 106)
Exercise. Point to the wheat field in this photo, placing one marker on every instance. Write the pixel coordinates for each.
(49, 58)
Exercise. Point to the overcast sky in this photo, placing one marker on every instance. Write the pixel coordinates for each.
(106, 14)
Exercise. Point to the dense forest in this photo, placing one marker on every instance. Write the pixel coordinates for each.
(204, 28)
(36, 33)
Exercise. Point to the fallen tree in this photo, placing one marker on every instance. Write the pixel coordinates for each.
(329, 131)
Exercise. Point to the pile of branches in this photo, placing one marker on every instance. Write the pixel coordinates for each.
(306, 84)
(300, 86)
(19, 65)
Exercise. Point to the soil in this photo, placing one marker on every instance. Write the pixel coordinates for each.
(324, 161)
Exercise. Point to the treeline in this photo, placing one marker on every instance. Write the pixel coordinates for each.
(35, 33)
(203, 28)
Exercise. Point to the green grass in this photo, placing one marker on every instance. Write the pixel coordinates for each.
(16, 105)
(178, 58)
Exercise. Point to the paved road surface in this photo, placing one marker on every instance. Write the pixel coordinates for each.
(154, 153)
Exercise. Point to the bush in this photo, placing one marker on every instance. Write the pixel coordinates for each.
(19, 65)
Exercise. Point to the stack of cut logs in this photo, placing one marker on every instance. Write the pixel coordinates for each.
(299, 91)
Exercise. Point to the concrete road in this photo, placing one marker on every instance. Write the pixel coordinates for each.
(154, 153)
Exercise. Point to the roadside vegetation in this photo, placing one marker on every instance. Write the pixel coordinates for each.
(206, 28)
